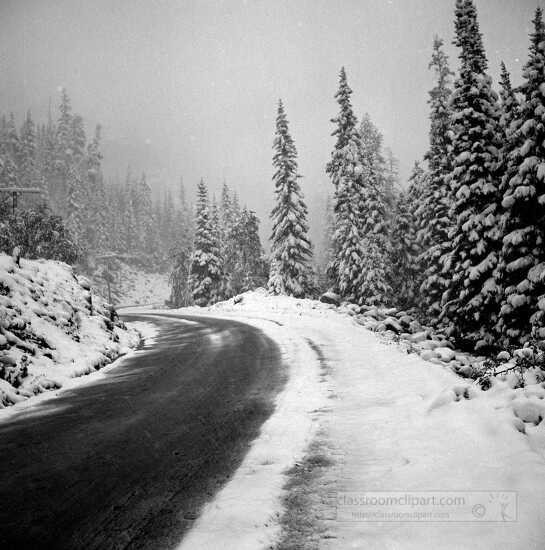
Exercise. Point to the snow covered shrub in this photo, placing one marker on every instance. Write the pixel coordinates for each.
(518, 362)
(39, 234)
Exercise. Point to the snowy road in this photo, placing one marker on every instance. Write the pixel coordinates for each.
(127, 462)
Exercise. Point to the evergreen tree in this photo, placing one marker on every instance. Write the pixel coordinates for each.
(226, 207)
(205, 267)
(522, 268)
(47, 156)
(147, 234)
(75, 205)
(248, 267)
(290, 245)
(8, 153)
(78, 139)
(28, 175)
(63, 155)
(227, 246)
(373, 222)
(470, 301)
(391, 177)
(327, 252)
(180, 294)
(405, 268)
(433, 208)
(345, 170)
(97, 207)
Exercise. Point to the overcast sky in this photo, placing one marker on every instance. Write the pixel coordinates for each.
(191, 86)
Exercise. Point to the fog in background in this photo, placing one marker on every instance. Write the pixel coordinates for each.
(189, 88)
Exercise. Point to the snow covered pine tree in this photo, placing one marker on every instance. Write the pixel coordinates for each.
(205, 270)
(290, 246)
(470, 301)
(359, 265)
(433, 211)
(522, 276)
(345, 170)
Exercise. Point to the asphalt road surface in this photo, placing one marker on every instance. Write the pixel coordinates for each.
(128, 461)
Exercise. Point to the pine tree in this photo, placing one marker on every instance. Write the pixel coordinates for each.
(248, 266)
(205, 267)
(227, 221)
(130, 238)
(391, 177)
(405, 267)
(8, 153)
(180, 294)
(327, 249)
(28, 175)
(470, 301)
(78, 139)
(522, 268)
(433, 208)
(290, 246)
(345, 171)
(63, 155)
(96, 204)
(47, 156)
(374, 222)
(75, 205)
(217, 235)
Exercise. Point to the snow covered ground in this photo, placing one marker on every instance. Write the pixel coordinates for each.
(383, 423)
(53, 328)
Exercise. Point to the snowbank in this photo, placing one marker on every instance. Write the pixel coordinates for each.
(52, 328)
(397, 423)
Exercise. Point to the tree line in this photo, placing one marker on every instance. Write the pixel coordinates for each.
(98, 216)
(464, 245)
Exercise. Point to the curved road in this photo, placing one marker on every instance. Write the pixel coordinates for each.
(128, 461)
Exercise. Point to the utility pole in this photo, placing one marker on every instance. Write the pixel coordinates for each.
(16, 191)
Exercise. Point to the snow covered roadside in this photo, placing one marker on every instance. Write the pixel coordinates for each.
(397, 424)
(147, 332)
(53, 329)
(244, 514)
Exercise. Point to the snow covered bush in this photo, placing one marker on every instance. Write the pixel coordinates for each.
(39, 234)
(516, 363)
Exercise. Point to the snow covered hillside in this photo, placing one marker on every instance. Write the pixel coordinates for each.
(379, 420)
(134, 286)
(52, 328)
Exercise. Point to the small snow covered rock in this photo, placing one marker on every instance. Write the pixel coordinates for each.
(503, 356)
(373, 312)
(463, 359)
(429, 344)
(445, 354)
(330, 298)
(238, 299)
(419, 337)
(371, 324)
(529, 410)
(428, 354)
(391, 324)
(466, 371)
(405, 320)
